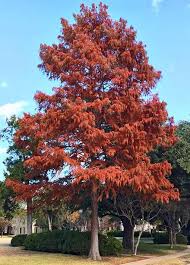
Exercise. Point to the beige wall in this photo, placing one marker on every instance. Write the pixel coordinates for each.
(19, 226)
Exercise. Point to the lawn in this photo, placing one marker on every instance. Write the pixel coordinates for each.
(162, 249)
(21, 257)
(59, 259)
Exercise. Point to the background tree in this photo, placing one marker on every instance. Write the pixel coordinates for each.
(103, 120)
(4, 223)
(132, 209)
(175, 215)
(15, 171)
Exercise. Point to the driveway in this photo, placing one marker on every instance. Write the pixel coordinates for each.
(6, 249)
(5, 242)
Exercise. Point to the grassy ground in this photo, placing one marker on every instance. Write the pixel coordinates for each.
(14, 257)
(58, 259)
(155, 249)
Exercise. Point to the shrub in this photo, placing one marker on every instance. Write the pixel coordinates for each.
(115, 233)
(163, 238)
(120, 234)
(110, 246)
(71, 242)
(144, 234)
(46, 241)
(18, 241)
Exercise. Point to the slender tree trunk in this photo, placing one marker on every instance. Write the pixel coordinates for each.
(174, 237)
(29, 216)
(171, 238)
(49, 215)
(94, 253)
(139, 238)
(128, 234)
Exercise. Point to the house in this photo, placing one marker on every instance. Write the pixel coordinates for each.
(19, 225)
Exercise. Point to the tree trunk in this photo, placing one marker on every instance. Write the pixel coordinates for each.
(94, 253)
(29, 216)
(49, 214)
(128, 234)
(9, 230)
(171, 240)
(139, 238)
(174, 238)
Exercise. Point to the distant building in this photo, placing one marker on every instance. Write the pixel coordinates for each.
(19, 226)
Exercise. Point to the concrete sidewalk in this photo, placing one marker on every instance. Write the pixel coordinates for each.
(155, 260)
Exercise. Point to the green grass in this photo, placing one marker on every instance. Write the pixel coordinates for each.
(155, 249)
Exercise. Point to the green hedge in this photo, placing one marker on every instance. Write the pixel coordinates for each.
(120, 234)
(163, 238)
(18, 240)
(71, 242)
(115, 233)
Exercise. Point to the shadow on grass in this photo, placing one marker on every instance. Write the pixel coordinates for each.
(159, 249)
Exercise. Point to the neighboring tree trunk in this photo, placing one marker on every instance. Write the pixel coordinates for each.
(128, 234)
(94, 253)
(29, 216)
(9, 230)
(172, 237)
(50, 219)
(139, 238)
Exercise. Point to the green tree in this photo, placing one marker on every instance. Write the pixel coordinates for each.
(173, 214)
(15, 170)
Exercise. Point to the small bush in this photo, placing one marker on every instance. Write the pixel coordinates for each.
(18, 241)
(163, 238)
(110, 246)
(71, 242)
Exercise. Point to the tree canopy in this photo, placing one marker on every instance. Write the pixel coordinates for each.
(99, 126)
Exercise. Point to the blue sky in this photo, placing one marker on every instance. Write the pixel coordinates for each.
(163, 25)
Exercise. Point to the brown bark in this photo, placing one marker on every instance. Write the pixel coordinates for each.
(172, 237)
(128, 234)
(29, 216)
(9, 230)
(94, 253)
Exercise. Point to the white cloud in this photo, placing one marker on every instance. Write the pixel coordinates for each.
(3, 150)
(156, 4)
(3, 84)
(9, 109)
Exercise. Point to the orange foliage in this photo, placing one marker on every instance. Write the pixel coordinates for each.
(103, 120)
